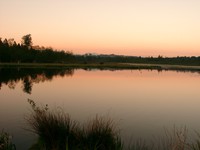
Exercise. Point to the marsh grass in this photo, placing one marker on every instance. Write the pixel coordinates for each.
(139, 144)
(54, 129)
(173, 139)
(176, 139)
(57, 131)
(100, 133)
(196, 144)
(6, 141)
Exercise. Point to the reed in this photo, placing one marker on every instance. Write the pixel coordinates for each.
(57, 131)
(6, 141)
(101, 133)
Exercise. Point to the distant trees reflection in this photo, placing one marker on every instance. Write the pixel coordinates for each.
(30, 76)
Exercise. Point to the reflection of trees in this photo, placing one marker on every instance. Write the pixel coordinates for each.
(29, 76)
(11, 84)
(27, 84)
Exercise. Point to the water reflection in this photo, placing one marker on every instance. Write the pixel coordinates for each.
(29, 76)
(142, 102)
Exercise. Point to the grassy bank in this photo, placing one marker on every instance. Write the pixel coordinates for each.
(103, 66)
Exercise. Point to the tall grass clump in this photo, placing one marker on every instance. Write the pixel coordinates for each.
(196, 145)
(56, 130)
(6, 141)
(100, 133)
(139, 145)
(175, 139)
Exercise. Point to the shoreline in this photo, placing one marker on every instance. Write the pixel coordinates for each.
(102, 66)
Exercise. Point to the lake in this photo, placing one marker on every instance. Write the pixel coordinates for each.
(141, 102)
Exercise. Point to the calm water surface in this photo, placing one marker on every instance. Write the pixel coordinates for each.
(142, 102)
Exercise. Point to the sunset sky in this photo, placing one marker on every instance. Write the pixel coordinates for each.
(128, 27)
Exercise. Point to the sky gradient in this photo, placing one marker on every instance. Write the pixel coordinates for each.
(128, 27)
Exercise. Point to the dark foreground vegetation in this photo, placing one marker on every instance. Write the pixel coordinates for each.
(25, 52)
(56, 130)
(6, 141)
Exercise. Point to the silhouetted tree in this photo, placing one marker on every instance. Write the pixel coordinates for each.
(5, 42)
(1, 42)
(10, 51)
(27, 40)
(11, 42)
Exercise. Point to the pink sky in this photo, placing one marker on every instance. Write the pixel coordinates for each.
(129, 27)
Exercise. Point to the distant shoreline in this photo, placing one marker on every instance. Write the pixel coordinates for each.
(103, 66)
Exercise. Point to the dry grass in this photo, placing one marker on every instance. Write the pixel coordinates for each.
(57, 131)
(54, 129)
(6, 141)
(101, 133)
(175, 139)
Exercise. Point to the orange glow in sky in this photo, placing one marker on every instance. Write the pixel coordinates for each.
(128, 27)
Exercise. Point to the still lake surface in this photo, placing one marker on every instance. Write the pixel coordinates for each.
(141, 102)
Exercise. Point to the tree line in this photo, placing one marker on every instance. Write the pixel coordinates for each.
(183, 60)
(25, 52)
